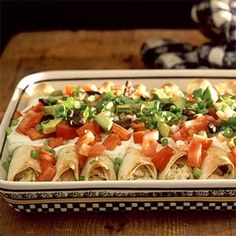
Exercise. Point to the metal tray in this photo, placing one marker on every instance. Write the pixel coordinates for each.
(113, 195)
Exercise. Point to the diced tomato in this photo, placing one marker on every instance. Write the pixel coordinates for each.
(38, 107)
(83, 149)
(97, 139)
(138, 126)
(121, 131)
(47, 174)
(96, 150)
(89, 87)
(138, 136)
(161, 158)
(55, 142)
(65, 131)
(87, 138)
(177, 136)
(212, 112)
(195, 154)
(30, 120)
(232, 156)
(82, 161)
(206, 142)
(34, 134)
(69, 89)
(149, 144)
(92, 126)
(204, 154)
(46, 157)
(17, 114)
(112, 141)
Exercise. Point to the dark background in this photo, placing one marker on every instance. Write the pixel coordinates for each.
(31, 15)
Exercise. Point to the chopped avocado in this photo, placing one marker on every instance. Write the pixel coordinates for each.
(50, 126)
(104, 121)
(180, 102)
(163, 128)
(56, 111)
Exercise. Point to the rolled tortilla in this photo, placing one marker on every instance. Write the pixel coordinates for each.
(67, 166)
(99, 168)
(22, 166)
(136, 166)
(217, 165)
(177, 167)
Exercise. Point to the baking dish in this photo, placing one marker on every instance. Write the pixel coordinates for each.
(113, 195)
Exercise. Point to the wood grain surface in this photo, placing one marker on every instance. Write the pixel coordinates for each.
(37, 51)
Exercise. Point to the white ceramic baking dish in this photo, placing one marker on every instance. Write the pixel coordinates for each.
(113, 195)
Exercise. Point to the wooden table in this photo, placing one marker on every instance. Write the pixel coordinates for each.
(32, 52)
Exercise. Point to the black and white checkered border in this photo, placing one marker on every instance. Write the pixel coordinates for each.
(122, 206)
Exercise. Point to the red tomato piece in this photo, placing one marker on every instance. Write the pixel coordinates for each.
(47, 157)
(121, 131)
(30, 120)
(206, 142)
(138, 136)
(149, 144)
(112, 141)
(96, 150)
(38, 107)
(17, 114)
(204, 154)
(177, 136)
(195, 154)
(65, 131)
(83, 149)
(232, 155)
(97, 139)
(34, 134)
(55, 142)
(212, 112)
(161, 158)
(138, 126)
(69, 89)
(82, 161)
(92, 126)
(47, 174)
(87, 138)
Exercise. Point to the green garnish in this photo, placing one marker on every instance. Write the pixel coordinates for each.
(9, 130)
(39, 128)
(45, 142)
(197, 172)
(117, 163)
(34, 154)
(14, 122)
(228, 133)
(6, 165)
(164, 141)
(50, 150)
(56, 93)
(51, 101)
(81, 178)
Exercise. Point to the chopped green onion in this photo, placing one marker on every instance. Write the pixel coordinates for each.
(45, 143)
(81, 178)
(164, 141)
(9, 130)
(6, 165)
(34, 154)
(197, 172)
(39, 127)
(14, 122)
(117, 164)
(228, 132)
(50, 150)
(9, 157)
